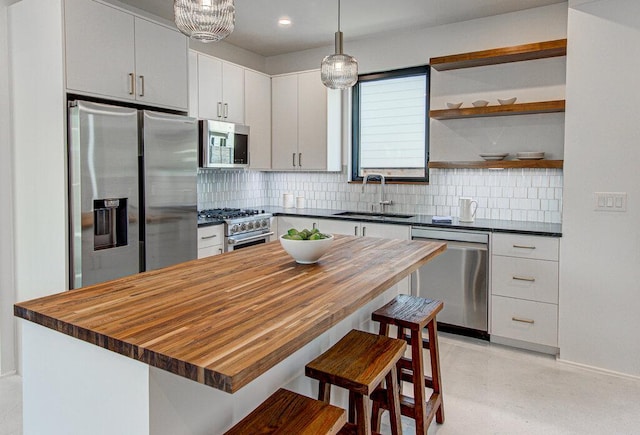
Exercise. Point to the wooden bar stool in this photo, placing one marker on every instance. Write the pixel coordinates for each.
(359, 362)
(286, 412)
(413, 313)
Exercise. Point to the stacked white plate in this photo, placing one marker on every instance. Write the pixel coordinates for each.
(494, 156)
(530, 155)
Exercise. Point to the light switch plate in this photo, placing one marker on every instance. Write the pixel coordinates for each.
(610, 201)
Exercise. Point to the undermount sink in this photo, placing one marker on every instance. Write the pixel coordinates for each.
(364, 214)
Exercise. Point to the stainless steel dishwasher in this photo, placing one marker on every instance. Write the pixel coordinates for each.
(458, 277)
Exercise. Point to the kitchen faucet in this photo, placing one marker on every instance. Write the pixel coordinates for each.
(382, 201)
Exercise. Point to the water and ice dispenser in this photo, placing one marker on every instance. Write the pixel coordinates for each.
(109, 223)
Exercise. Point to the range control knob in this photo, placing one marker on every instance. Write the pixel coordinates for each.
(234, 229)
(250, 225)
(265, 223)
(243, 227)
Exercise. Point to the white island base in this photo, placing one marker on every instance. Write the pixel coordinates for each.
(74, 387)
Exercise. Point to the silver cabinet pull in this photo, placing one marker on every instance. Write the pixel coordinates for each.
(208, 237)
(524, 247)
(132, 83)
(220, 249)
(355, 230)
(364, 231)
(519, 319)
(142, 86)
(300, 159)
(524, 278)
(294, 160)
(226, 110)
(219, 109)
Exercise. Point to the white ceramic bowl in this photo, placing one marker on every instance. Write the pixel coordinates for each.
(507, 101)
(480, 103)
(306, 251)
(454, 105)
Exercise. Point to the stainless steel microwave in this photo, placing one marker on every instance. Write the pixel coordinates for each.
(223, 145)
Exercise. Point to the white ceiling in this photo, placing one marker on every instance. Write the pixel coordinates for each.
(314, 22)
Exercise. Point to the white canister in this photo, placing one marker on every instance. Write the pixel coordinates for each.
(287, 200)
(467, 210)
(300, 202)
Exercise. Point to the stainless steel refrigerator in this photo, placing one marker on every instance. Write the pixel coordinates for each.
(132, 191)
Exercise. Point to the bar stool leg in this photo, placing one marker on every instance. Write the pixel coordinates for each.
(324, 392)
(394, 403)
(362, 414)
(418, 383)
(435, 367)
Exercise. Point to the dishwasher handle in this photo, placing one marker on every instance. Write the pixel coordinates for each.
(449, 235)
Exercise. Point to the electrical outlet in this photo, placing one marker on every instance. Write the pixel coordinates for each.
(610, 201)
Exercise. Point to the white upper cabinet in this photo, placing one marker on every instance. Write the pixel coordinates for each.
(299, 122)
(257, 111)
(161, 65)
(220, 90)
(112, 53)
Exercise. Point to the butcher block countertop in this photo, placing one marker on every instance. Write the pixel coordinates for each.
(225, 320)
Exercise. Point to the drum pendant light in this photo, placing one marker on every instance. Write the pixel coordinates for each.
(205, 20)
(339, 70)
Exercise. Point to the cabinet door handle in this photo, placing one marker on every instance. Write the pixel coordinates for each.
(524, 247)
(364, 231)
(142, 86)
(226, 110)
(523, 278)
(220, 249)
(519, 319)
(294, 160)
(300, 159)
(314, 226)
(355, 230)
(208, 237)
(132, 84)
(219, 109)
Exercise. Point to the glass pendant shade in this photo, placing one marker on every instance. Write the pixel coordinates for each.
(339, 70)
(205, 20)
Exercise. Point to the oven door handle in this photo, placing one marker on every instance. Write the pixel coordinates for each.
(233, 241)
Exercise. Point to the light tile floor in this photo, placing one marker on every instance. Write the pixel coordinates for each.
(490, 389)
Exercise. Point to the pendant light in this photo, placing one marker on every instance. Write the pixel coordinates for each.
(339, 70)
(205, 20)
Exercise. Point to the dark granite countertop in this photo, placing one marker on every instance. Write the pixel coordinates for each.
(493, 225)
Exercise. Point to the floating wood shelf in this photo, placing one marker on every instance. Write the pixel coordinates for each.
(502, 110)
(498, 164)
(538, 50)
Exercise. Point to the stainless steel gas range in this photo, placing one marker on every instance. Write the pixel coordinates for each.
(242, 228)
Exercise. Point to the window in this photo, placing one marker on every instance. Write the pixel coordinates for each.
(390, 125)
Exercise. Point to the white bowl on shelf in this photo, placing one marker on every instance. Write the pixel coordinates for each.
(530, 155)
(306, 251)
(494, 156)
(454, 105)
(480, 103)
(507, 101)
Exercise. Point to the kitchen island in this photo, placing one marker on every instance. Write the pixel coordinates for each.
(194, 347)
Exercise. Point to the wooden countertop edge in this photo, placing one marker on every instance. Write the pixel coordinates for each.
(203, 375)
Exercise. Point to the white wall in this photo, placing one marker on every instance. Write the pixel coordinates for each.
(600, 251)
(415, 47)
(7, 293)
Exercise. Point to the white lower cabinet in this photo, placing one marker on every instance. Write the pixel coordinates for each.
(518, 319)
(524, 291)
(210, 241)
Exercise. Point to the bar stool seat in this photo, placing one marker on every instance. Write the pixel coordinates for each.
(359, 362)
(286, 412)
(413, 314)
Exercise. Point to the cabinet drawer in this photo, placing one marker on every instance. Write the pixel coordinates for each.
(515, 245)
(210, 251)
(210, 236)
(534, 322)
(523, 278)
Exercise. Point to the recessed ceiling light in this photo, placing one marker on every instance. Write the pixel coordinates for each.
(284, 22)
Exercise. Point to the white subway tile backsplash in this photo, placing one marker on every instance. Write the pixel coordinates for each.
(510, 194)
